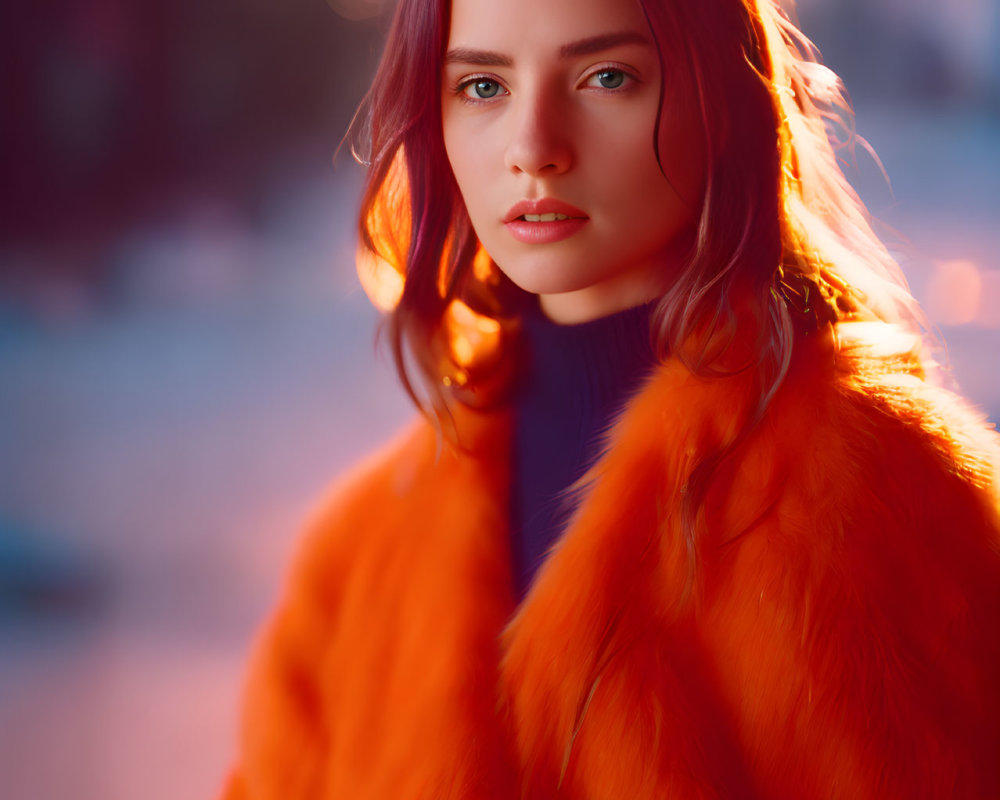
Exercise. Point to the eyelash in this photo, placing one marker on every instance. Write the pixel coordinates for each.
(461, 86)
(629, 79)
(459, 90)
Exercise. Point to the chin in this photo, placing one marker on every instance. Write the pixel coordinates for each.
(549, 286)
(545, 276)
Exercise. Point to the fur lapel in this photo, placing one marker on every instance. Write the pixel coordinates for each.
(604, 642)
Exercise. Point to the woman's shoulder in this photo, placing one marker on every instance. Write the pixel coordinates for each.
(860, 439)
(357, 506)
(859, 393)
(388, 469)
(387, 511)
(865, 464)
(881, 405)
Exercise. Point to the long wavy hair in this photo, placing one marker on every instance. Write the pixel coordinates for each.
(781, 239)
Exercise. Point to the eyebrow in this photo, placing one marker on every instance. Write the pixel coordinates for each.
(581, 47)
(598, 44)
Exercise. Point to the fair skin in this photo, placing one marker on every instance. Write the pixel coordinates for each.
(548, 112)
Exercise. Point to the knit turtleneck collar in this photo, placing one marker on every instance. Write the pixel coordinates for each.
(576, 378)
(590, 363)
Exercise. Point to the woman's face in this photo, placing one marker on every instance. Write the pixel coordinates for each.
(548, 111)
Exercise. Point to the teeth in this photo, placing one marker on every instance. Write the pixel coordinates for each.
(543, 217)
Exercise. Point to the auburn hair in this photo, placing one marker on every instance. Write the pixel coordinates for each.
(782, 243)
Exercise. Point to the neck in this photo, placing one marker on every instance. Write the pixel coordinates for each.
(594, 302)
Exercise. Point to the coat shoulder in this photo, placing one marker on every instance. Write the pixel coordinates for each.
(356, 510)
(867, 468)
(399, 509)
(872, 433)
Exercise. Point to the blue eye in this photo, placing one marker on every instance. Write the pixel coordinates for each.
(481, 89)
(610, 78)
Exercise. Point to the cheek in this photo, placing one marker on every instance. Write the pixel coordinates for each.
(639, 193)
(620, 157)
(469, 163)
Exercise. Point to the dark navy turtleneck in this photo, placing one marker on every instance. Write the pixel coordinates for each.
(576, 380)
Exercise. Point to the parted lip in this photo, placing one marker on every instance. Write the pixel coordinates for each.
(544, 205)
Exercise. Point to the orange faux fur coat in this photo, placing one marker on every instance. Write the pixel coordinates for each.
(839, 639)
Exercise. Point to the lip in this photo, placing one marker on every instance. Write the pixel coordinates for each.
(544, 205)
(544, 232)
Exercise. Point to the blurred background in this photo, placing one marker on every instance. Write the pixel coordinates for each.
(186, 359)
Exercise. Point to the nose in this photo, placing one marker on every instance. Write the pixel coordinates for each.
(540, 140)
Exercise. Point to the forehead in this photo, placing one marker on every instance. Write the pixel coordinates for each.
(540, 26)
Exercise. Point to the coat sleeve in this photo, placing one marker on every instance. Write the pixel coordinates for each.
(854, 630)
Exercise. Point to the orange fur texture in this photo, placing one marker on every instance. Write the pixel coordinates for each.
(839, 638)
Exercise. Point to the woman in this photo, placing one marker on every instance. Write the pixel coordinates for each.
(686, 515)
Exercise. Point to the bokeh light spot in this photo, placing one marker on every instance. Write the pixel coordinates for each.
(954, 292)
